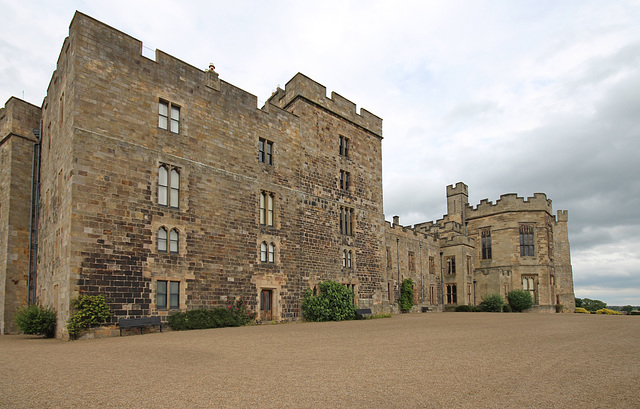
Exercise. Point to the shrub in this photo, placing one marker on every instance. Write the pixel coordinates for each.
(333, 303)
(492, 303)
(581, 310)
(34, 319)
(89, 310)
(405, 303)
(218, 317)
(520, 300)
(507, 308)
(239, 309)
(465, 308)
(608, 311)
(559, 308)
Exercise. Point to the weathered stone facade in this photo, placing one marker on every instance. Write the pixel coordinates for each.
(166, 188)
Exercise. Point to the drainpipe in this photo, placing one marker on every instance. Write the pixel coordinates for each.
(398, 262)
(421, 276)
(474, 292)
(33, 218)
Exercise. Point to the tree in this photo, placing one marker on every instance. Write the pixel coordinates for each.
(578, 302)
(627, 309)
(405, 303)
(333, 303)
(492, 303)
(593, 305)
(520, 300)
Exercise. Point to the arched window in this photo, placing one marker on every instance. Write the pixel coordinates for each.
(272, 252)
(175, 189)
(162, 239)
(263, 252)
(344, 258)
(173, 241)
(349, 259)
(163, 184)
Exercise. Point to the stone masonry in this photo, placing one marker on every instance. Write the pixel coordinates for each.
(165, 188)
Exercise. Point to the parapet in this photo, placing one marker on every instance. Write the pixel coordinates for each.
(511, 203)
(301, 86)
(563, 216)
(19, 118)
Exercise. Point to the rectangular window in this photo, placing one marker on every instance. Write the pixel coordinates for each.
(344, 180)
(451, 264)
(266, 208)
(432, 266)
(432, 294)
(486, 244)
(344, 146)
(389, 265)
(172, 297)
(469, 265)
(526, 240)
(169, 116)
(452, 294)
(346, 221)
(412, 261)
(265, 151)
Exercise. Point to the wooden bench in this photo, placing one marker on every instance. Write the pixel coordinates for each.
(363, 312)
(125, 323)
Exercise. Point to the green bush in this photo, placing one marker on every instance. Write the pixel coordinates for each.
(507, 308)
(520, 300)
(466, 308)
(89, 310)
(559, 308)
(34, 319)
(405, 303)
(218, 317)
(333, 303)
(492, 303)
(581, 310)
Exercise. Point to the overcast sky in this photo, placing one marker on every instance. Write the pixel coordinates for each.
(506, 96)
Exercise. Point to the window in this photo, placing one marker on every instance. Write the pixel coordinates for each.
(265, 151)
(349, 259)
(344, 146)
(529, 284)
(162, 240)
(346, 221)
(266, 209)
(344, 258)
(412, 261)
(173, 294)
(432, 266)
(451, 264)
(469, 265)
(168, 186)
(173, 241)
(344, 180)
(267, 252)
(452, 294)
(389, 265)
(169, 116)
(486, 244)
(432, 295)
(526, 240)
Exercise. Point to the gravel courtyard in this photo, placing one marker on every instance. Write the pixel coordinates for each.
(432, 360)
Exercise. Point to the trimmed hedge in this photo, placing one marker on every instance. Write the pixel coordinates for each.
(204, 318)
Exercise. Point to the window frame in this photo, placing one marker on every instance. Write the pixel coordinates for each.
(267, 213)
(485, 237)
(265, 151)
(527, 240)
(162, 236)
(343, 146)
(169, 117)
(450, 262)
(169, 189)
(346, 220)
(170, 294)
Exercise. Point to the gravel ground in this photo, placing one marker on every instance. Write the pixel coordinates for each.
(433, 360)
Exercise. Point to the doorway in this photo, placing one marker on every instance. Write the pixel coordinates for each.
(266, 305)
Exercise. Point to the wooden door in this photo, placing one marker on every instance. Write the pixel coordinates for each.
(266, 305)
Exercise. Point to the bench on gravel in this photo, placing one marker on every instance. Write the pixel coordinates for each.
(363, 312)
(125, 323)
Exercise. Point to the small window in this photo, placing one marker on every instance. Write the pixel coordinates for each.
(265, 151)
(162, 240)
(272, 253)
(175, 189)
(344, 180)
(346, 221)
(266, 208)
(432, 265)
(389, 264)
(452, 294)
(263, 252)
(344, 258)
(451, 264)
(169, 116)
(172, 297)
(412, 261)
(173, 241)
(349, 259)
(344, 146)
(162, 185)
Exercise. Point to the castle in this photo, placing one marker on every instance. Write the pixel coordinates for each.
(164, 188)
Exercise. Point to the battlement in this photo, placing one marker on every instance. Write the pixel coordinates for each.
(458, 240)
(18, 118)
(511, 202)
(563, 216)
(459, 188)
(301, 86)
(406, 231)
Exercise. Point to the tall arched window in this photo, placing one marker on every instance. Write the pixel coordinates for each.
(175, 189)
(272, 252)
(349, 259)
(263, 252)
(162, 239)
(344, 258)
(163, 183)
(173, 241)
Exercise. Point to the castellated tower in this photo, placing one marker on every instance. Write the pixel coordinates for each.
(457, 202)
